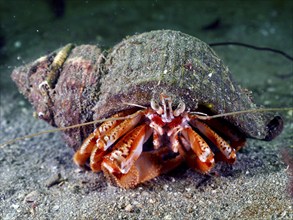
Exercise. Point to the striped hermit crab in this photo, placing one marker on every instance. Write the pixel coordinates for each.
(155, 91)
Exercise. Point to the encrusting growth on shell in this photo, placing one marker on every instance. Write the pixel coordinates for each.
(57, 64)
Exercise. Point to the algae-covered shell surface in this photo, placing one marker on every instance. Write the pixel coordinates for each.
(91, 85)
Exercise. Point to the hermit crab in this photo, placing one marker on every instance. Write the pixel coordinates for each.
(157, 93)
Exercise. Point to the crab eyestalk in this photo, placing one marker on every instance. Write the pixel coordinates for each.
(155, 106)
(180, 109)
(167, 107)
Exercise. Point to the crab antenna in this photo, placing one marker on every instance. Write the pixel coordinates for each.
(202, 116)
(136, 105)
(250, 111)
(61, 129)
(199, 113)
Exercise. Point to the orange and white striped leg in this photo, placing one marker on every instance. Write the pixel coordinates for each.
(118, 164)
(197, 152)
(104, 131)
(229, 132)
(107, 140)
(83, 154)
(228, 153)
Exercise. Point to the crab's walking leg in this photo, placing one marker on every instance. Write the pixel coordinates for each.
(105, 135)
(199, 155)
(236, 138)
(110, 137)
(127, 150)
(228, 153)
(85, 150)
(118, 164)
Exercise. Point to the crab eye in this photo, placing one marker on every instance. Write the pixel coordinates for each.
(180, 109)
(156, 107)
